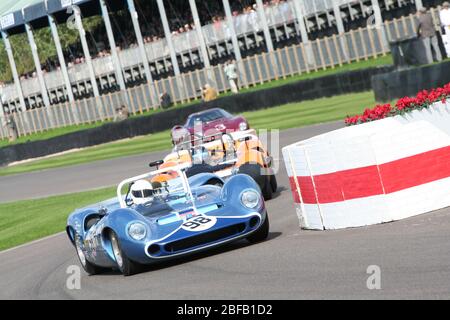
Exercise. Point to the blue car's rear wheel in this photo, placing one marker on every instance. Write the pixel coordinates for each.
(125, 265)
(90, 268)
(261, 234)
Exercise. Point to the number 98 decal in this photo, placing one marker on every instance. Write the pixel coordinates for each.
(200, 223)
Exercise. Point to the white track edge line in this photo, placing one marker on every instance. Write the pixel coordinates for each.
(32, 242)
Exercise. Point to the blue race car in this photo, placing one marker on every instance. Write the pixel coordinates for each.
(155, 223)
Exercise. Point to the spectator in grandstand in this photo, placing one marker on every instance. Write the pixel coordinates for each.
(427, 32)
(245, 17)
(165, 101)
(122, 113)
(209, 93)
(12, 128)
(252, 18)
(232, 76)
(444, 16)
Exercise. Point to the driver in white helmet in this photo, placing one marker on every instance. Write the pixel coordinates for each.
(142, 192)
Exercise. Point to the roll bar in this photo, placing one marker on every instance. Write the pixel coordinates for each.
(180, 169)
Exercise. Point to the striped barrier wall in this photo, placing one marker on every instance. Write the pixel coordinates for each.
(372, 173)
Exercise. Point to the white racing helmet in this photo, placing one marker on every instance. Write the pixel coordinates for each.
(141, 192)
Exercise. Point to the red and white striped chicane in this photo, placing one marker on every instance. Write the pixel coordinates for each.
(372, 173)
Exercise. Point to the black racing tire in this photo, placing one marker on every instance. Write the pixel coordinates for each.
(125, 265)
(199, 168)
(91, 269)
(267, 189)
(261, 234)
(263, 180)
(273, 183)
(254, 171)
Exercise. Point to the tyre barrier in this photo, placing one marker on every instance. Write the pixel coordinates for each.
(407, 82)
(372, 173)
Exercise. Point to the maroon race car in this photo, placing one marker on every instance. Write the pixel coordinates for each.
(208, 124)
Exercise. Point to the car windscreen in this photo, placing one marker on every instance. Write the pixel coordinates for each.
(154, 208)
(205, 117)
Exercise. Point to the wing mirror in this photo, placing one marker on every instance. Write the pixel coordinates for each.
(103, 211)
(156, 164)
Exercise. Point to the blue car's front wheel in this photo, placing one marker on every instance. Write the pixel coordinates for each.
(125, 265)
(90, 268)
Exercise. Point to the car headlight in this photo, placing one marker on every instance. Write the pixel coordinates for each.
(243, 126)
(137, 231)
(250, 199)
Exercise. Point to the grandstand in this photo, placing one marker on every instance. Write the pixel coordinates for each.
(142, 48)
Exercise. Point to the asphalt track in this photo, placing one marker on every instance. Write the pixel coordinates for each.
(413, 254)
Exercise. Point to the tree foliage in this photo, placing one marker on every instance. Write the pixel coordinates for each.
(45, 44)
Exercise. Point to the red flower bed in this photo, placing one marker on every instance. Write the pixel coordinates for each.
(423, 99)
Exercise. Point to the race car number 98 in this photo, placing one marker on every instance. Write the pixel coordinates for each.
(200, 223)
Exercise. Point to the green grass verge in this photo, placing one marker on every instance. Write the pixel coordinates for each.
(282, 117)
(25, 221)
(383, 60)
(139, 145)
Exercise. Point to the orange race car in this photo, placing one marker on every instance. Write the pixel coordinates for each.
(228, 154)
